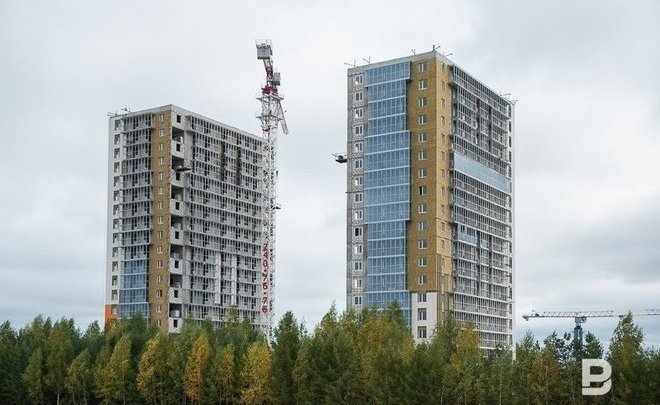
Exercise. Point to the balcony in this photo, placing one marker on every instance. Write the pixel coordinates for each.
(176, 236)
(175, 295)
(176, 207)
(177, 149)
(174, 325)
(176, 178)
(176, 266)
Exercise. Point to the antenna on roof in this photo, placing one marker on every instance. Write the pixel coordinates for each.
(367, 59)
(446, 55)
(125, 109)
(413, 51)
(435, 47)
(351, 64)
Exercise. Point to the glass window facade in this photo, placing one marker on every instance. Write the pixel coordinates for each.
(387, 186)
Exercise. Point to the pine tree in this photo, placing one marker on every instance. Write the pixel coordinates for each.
(61, 351)
(34, 379)
(466, 363)
(117, 376)
(78, 380)
(628, 362)
(285, 352)
(256, 376)
(196, 368)
(225, 373)
(152, 370)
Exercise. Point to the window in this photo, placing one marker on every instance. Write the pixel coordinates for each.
(423, 66)
(421, 332)
(421, 314)
(422, 244)
(116, 168)
(421, 120)
(159, 235)
(358, 181)
(357, 215)
(421, 226)
(421, 155)
(159, 293)
(442, 120)
(422, 137)
(160, 190)
(357, 163)
(357, 197)
(358, 96)
(159, 205)
(357, 283)
(161, 147)
(159, 249)
(359, 113)
(357, 300)
(443, 244)
(443, 138)
(421, 102)
(442, 208)
(159, 264)
(422, 278)
(159, 278)
(422, 84)
(178, 118)
(117, 139)
(442, 174)
(357, 266)
(358, 231)
(422, 190)
(358, 146)
(421, 173)
(160, 220)
(161, 176)
(162, 118)
(161, 161)
(159, 308)
(115, 280)
(161, 132)
(114, 295)
(359, 79)
(442, 226)
(442, 156)
(442, 85)
(358, 129)
(421, 297)
(116, 153)
(421, 208)
(442, 102)
(357, 249)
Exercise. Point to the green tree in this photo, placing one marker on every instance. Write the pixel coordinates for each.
(78, 380)
(547, 372)
(527, 352)
(196, 368)
(628, 363)
(34, 379)
(386, 347)
(256, 376)
(225, 374)
(10, 365)
(286, 346)
(61, 351)
(152, 370)
(466, 363)
(117, 376)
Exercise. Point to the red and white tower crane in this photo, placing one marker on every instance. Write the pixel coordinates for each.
(270, 117)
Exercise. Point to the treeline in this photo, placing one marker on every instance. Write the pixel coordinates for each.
(348, 358)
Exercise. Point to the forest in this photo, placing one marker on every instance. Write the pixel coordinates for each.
(352, 358)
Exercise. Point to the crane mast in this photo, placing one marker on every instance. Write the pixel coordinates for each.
(270, 117)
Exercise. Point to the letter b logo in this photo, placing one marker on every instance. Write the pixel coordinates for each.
(588, 378)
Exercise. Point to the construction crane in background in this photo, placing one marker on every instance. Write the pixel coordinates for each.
(270, 117)
(580, 317)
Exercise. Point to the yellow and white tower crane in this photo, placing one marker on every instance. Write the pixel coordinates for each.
(580, 317)
(270, 117)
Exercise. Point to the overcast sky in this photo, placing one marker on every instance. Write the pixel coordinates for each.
(585, 75)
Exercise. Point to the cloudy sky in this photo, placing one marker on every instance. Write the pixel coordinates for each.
(585, 75)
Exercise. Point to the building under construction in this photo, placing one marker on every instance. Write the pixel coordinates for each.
(430, 196)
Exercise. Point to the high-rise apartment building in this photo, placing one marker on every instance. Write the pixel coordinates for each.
(184, 220)
(430, 196)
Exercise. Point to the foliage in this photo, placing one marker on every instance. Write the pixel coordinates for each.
(369, 357)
